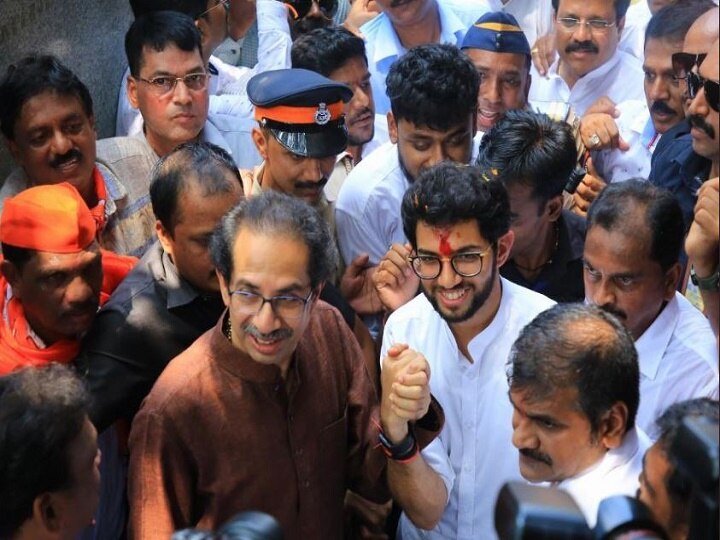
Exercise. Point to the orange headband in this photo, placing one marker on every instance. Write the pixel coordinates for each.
(51, 218)
(322, 114)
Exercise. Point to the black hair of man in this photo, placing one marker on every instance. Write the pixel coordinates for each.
(191, 8)
(621, 7)
(203, 165)
(450, 193)
(583, 347)
(32, 76)
(672, 22)
(42, 412)
(677, 484)
(274, 213)
(434, 86)
(157, 31)
(620, 204)
(325, 50)
(529, 148)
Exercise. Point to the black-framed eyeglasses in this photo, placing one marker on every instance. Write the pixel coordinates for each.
(223, 3)
(164, 84)
(598, 25)
(683, 65)
(712, 92)
(300, 8)
(465, 263)
(285, 306)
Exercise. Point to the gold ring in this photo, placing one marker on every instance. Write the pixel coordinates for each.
(534, 50)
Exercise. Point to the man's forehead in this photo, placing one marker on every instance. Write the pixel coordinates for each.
(46, 260)
(410, 129)
(499, 61)
(171, 59)
(49, 103)
(586, 7)
(658, 52)
(710, 69)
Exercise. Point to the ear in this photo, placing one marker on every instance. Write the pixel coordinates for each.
(224, 289)
(392, 128)
(554, 208)
(45, 514)
(613, 424)
(91, 120)
(504, 246)
(131, 87)
(166, 239)
(11, 273)
(14, 150)
(672, 278)
(261, 142)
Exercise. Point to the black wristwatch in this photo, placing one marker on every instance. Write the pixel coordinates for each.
(710, 283)
(402, 451)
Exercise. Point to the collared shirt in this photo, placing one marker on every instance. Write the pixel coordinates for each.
(632, 39)
(286, 447)
(125, 165)
(678, 358)
(616, 474)
(383, 46)
(474, 454)
(240, 52)
(367, 211)
(620, 79)
(152, 317)
(562, 278)
(209, 133)
(345, 163)
(535, 17)
(677, 168)
(637, 129)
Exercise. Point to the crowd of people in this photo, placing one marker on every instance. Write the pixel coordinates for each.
(350, 266)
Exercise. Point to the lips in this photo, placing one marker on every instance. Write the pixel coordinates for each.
(488, 118)
(267, 347)
(454, 297)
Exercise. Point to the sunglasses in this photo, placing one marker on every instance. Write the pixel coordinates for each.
(683, 65)
(712, 93)
(300, 8)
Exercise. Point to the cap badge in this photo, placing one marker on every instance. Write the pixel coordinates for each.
(322, 115)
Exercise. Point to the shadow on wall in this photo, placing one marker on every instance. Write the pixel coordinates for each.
(88, 37)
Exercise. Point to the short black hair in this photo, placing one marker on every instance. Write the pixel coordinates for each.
(449, 193)
(18, 256)
(613, 211)
(324, 50)
(673, 21)
(580, 346)
(158, 30)
(42, 412)
(677, 484)
(621, 7)
(203, 164)
(274, 213)
(531, 149)
(191, 8)
(434, 86)
(32, 76)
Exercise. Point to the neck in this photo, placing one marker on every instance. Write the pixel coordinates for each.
(162, 146)
(715, 168)
(240, 23)
(424, 30)
(355, 152)
(464, 332)
(567, 74)
(539, 253)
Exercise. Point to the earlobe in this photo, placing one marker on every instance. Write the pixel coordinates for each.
(164, 238)
(132, 92)
(554, 208)
(392, 128)
(672, 278)
(612, 429)
(260, 141)
(44, 513)
(224, 290)
(504, 247)
(12, 276)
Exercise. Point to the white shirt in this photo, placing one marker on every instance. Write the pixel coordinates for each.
(367, 210)
(344, 163)
(473, 454)
(383, 46)
(616, 474)
(636, 128)
(632, 39)
(230, 111)
(620, 78)
(678, 361)
(535, 17)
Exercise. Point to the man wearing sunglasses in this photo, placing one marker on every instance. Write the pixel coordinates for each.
(289, 416)
(589, 64)
(464, 323)
(229, 110)
(676, 165)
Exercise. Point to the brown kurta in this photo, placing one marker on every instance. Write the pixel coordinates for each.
(220, 434)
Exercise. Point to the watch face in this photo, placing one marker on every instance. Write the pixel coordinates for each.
(710, 283)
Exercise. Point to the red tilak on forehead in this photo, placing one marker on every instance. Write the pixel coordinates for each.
(444, 246)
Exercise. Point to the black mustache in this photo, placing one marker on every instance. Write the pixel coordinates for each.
(585, 46)
(612, 310)
(537, 456)
(275, 335)
(396, 3)
(61, 160)
(661, 107)
(311, 185)
(699, 122)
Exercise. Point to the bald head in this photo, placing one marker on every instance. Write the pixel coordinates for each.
(703, 32)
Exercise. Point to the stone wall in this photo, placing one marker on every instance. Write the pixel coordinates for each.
(87, 36)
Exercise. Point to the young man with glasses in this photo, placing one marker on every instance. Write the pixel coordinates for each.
(589, 64)
(458, 225)
(289, 416)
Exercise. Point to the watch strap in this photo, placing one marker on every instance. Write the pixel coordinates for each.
(710, 283)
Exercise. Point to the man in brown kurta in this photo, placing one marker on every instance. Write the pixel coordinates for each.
(231, 426)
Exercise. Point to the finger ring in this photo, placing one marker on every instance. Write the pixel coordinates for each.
(594, 140)
(534, 50)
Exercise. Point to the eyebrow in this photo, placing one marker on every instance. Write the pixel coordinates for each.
(244, 284)
(463, 249)
(163, 73)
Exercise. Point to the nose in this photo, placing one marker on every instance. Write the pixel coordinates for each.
(491, 90)
(448, 278)
(602, 293)
(265, 319)
(311, 171)
(79, 291)
(181, 93)
(61, 143)
(360, 99)
(659, 90)
(315, 10)
(436, 154)
(699, 104)
(582, 32)
(523, 436)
